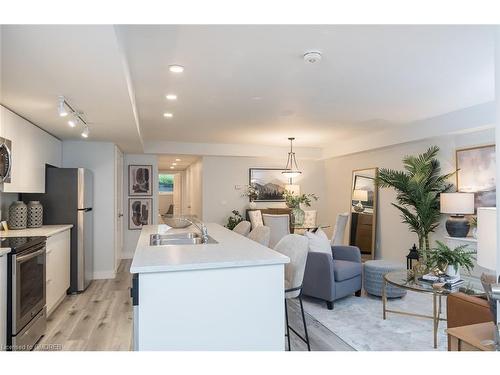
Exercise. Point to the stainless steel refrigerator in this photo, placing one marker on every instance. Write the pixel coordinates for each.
(68, 199)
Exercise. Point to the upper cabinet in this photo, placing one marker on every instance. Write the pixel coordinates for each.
(32, 149)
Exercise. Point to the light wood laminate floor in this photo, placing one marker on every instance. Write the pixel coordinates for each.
(101, 319)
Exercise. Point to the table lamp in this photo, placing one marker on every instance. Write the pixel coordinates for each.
(360, 196)
(457, 205)
(487, 253)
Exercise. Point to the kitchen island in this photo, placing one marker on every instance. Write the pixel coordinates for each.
(227, 295)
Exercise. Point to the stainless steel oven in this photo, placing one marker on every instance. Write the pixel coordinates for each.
(26, 292)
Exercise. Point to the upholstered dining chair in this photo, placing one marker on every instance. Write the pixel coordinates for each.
(261, 234)
(280, 227)
(243, 228)
(339, 229)
(255, 217)
(295, 247)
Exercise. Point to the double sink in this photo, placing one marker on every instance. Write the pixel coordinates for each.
(187, 238)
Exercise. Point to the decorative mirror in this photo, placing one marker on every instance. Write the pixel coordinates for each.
(363, 225)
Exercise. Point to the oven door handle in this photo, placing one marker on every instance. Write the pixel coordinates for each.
(24, 258)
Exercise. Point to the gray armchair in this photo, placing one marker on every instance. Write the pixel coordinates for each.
(330, 277)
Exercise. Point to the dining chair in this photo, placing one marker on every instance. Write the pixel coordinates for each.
(280, 227)
(295, 247)
(339, 229)
(261, 234)
(255, 217)
(243, 228)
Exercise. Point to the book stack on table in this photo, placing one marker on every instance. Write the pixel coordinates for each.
(449, 282)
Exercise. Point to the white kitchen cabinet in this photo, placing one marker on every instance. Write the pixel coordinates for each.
(3, 301)
(58, 269)
(32, 149)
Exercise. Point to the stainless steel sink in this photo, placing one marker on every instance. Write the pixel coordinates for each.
(188, 238)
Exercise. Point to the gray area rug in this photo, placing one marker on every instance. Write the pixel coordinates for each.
(358, 321)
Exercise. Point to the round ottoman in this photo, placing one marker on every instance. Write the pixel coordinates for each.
(374, 271)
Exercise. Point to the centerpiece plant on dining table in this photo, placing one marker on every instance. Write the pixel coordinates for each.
(294, 201)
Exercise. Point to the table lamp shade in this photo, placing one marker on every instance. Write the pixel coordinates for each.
(360, 195)
(457, 203)
(294, 189)
(487, 237)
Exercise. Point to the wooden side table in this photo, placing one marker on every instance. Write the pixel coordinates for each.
(471, 338)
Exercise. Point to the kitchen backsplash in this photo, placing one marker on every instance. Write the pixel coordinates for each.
(5, 200)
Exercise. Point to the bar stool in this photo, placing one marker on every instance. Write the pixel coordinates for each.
(295, 247)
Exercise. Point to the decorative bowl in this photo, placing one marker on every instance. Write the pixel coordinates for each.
(176, 221)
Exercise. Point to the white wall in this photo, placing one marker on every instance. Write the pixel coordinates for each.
(130, 237)
(99, 157)
(394, 239)
(192, 184)
(222, 174)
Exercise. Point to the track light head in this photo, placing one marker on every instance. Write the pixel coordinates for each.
(61, 107)
(85, 132)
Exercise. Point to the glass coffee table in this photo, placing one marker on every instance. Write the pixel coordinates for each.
(406, 280)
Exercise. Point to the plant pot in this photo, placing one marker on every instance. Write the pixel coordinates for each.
(298, 216)
(450, 271)
(252, 205)
(474, 232)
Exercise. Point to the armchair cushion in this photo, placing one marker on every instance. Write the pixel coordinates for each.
(349, 253)
(344, 269)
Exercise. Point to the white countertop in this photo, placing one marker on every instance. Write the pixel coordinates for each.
(45, 231)
(232, 250)
(4, 251)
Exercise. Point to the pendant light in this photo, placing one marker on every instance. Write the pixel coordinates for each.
(291, 169)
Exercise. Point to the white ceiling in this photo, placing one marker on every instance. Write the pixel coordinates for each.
(244, 84)
(165, 162)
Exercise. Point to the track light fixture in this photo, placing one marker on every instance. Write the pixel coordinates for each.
(61, 108)
(64, 109)
(85, 132)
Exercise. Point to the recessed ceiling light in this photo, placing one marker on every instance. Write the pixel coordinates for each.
(171, 97)
(177, 159)
(176, 68)
(168, 115)
(174, 163)
(72, 123)
(171, 167)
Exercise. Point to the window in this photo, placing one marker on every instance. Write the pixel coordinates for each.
(166, 183)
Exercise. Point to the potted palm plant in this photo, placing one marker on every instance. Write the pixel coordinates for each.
(418, 188)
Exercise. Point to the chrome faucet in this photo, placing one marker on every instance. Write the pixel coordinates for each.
(201, 227)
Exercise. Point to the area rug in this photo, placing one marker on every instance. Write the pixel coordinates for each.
(358, 321)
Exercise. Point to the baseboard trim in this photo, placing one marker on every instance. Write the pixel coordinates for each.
(101, 275)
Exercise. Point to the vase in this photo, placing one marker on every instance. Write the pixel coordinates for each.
(35, 214)
(298, 216)
(252, 205)
(18, 215)
(452, 272)
(474, 232)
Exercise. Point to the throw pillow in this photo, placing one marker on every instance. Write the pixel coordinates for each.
(318, 242)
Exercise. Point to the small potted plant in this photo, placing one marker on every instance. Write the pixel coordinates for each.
(293, 201)
(234, 219)
(252, 193)
(449, 261)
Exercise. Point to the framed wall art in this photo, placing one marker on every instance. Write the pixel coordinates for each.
(140, 180)
(140, 212)
(476, 174)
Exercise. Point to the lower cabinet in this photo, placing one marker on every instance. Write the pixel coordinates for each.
(3, 301)
(58, 269)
